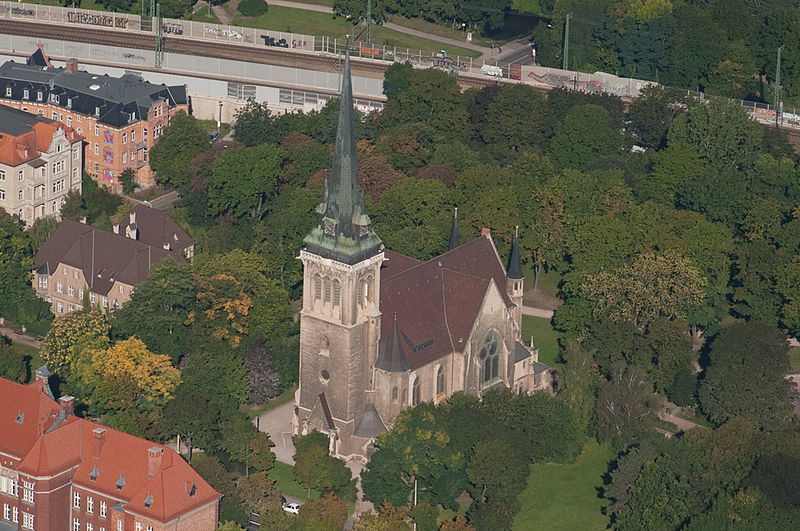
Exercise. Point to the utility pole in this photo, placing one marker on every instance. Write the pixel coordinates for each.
(159, 38)
(369, 21)
(778, 88)
(565, 55)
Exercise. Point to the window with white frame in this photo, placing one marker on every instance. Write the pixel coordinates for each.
(71, 308)
(76, 500)
(2, 194)
(103, 508)
(6, 511)
(89, 504)
(71, 291)
(12, 487)
(124, 157)
(20, 195)
(60, 306)
(26, 94)
(133, 135)
(20, 175)
(27, 520)
(93, 298)
(105, 302)
(89, 526)
(8, 91)
(27, 492)
(14, 515)
(138, 526)
(76, 273)
(59, 287)
(96, 149)
(69, 121)
(120, 525)
(80, 294)
(76, 524)
(75, 153)
(39, 95)
(2, 175)
(55, 116)
(124, 138)
(96, 130)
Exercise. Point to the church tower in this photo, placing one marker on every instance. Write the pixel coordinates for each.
(340, 318)
(514, 284)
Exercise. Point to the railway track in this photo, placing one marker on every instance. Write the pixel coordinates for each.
(322, 62)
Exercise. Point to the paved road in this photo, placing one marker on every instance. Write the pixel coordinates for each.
(20, 338)
(537, 312)
(278, 424)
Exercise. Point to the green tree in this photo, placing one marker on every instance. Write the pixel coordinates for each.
(128, 180)
(182, 140)
(221, 480)
(585, 135)
(729, 387)
(651, 115)
(158, 311)
(651, 287)
(327, 513)
(624, 413)
(13, 364)
(316, 469)
(721, 132)
(517, 119)
(243, 181)
(237, 433)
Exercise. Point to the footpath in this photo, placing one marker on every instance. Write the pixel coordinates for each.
(16, 337)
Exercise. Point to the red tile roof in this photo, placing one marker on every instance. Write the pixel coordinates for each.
(16, 149)
(47, 444)
(437, 302)
(26, 411)
(122, 455)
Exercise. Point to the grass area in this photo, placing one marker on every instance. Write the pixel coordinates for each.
(283, 476)
(286, 396)
(544, 337)
(565, 496)
(666, 425)
(794, 359)
(211, 127)
(203, 15)
(442, 31)
(531, 6)
(312, 23)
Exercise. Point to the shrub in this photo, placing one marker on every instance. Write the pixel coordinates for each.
(253, 8)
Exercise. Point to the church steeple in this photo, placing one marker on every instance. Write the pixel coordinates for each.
(454, 231)
(515, 264)
(343, 231)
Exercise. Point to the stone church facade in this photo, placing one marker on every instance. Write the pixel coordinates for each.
(380, 331)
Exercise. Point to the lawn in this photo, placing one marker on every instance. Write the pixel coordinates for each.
(794, 359)
(544, 337)
(283, 476)
(286, 396)
(565, 496)
(291, 20)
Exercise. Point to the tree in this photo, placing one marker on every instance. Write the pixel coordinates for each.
(237, 434)
(652, 286)
(85, 328)
(389, 518)
(721, 132)
(158, 311)
(128, 180)
(493, 467)
(221, 480)
(182, 140)
(41, 230)
(651, 115)
(624, 413)
(459, 524)
(517, 119)
(13, 364)
(325, 513)
(130, 376)
(243, 181)
(585, 135)
(745, 376)
(578, 379)
(222, 309)
(316, 469)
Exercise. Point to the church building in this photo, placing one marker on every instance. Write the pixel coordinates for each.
(381, 332)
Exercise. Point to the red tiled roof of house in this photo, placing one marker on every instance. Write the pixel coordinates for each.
(24, 137)
(174, 489)
(26, 411)
(436, 302)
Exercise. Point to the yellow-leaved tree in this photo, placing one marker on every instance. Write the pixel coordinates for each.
(130, 376)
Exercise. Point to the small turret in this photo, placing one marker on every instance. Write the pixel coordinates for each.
(454, 231)
(514, 284)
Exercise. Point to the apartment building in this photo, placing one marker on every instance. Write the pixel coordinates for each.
(120, 118)
(59, 472)
(41, 160)
(78, 260)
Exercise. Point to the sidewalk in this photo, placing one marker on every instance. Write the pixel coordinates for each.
(537, 312)
(19, 338)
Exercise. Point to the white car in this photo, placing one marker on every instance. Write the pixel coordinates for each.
(293, 508)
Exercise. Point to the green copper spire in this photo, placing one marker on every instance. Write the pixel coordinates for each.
(343, 230)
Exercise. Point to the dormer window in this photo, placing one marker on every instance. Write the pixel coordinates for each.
(93, 475)
(8, 92)
(120, 482)
(69, 102)
(20, 418)
(192, 490)
(26, 94)
(97, 111)
(39, 95)
(54, 98)
(148, 501)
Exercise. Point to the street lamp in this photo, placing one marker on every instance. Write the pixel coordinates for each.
(219, 121)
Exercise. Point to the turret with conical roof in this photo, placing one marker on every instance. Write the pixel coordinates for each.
(515, 264)
(454, 231)
(343, 231)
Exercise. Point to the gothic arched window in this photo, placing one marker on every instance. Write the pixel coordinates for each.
(317, 287)
(440, 380)
(337, 293)
(489, 356)
(416, 393)
(327, 290)
(394, 393)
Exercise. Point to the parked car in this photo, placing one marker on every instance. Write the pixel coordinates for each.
(292, 508)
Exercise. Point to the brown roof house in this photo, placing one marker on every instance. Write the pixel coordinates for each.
(79, 257)
(380, 331)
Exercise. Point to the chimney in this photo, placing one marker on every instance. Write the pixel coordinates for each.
(43, 375)
(99, 441)
(153, 461)
(67, 403)
(72, 65)
(116, 228)
(166, 246)
(486, 233)
(83, 220)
